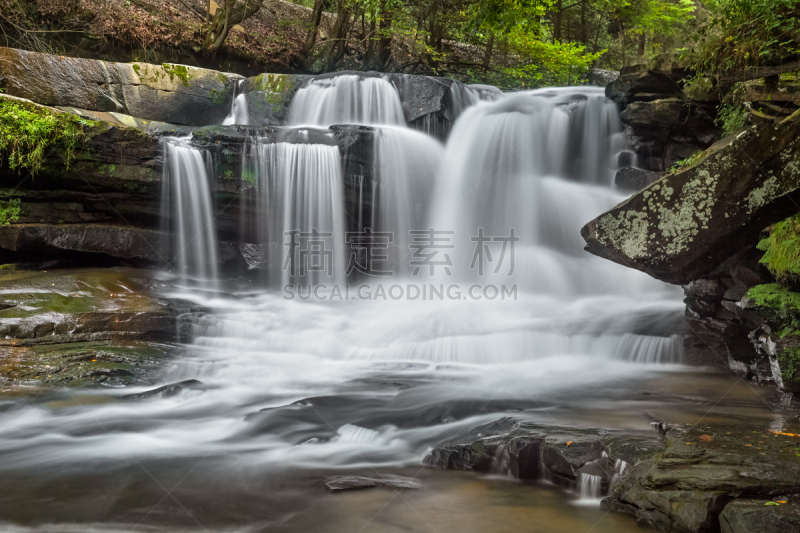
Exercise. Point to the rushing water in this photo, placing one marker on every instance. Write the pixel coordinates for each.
(296, 384)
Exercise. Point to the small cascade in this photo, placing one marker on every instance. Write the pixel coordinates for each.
(347, 99)
(590, 487)
(406, 162)
(186, 205)
(238, 114)
(620, 469)
(301, 189)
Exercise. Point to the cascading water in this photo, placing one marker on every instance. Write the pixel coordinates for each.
(238, 114)
(302, 193)
(346, 99)
(186, 205)
(297, 380)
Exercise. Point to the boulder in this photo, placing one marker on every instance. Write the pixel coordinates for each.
(636, 79)
(635, 178)
(689, 222)
(748, 516)
(169, 93)
(700, 470)
(268, 97)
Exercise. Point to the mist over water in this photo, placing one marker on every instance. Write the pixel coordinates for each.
(362, 382)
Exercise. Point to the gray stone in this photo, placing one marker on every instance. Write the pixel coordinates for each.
(689, 222)
(751, 516)
(635, 178)
(168, 93)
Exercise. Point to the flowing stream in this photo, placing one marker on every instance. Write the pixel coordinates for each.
(503, 314)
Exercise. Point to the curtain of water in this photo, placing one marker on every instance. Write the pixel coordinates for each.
(186, 206)
(302, 211)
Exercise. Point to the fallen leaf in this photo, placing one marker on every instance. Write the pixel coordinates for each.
(569, 443)
(785, 434)
(771, 503)
(705, 437)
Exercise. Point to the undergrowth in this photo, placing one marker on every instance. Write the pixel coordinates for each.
(782, 249)
(25, 132)
(781, 306)
(9, 211)
(789, 362)
(731, 119)
(685, 163)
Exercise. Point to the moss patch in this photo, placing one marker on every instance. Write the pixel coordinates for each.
(27, 130)
(779, 305)
(782, 249)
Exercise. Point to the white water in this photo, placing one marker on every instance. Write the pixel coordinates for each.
(367, 381)
(302, 199)
(238, 113)
(589, 488)
(347, 99)
(186, 202)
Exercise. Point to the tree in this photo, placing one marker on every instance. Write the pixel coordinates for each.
(230, 13)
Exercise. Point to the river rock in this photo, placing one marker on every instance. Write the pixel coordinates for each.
(268, 97)
(169, 93)
(689, 222)
(749, 516)
(701, 470)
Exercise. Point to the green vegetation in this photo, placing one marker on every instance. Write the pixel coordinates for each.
(250, 176)
(780, 305)
(782, 249)
(789, 362)
(9, 211)
(686, 163)
(731, 119)
(27, 130)
(217, 97)
(746, 33)
(177, 71)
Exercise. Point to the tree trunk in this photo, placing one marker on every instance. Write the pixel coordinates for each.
(336, 47)
(584, 30)
(557, 18)
(311, 36)
(385, 42)
(487, 55)
(642, 42)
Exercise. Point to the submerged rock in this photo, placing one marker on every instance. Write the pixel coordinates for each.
(687, 223)
(342, 483)
(167, 391)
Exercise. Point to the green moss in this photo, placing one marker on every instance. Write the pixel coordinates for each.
(789, 362)
(26, 130)
(731, 119)
(227, 175)
(9, 211)
(250, 176)
(686, 163)
(179, 71)
(217, 97)
(779, 305)
(782, 249)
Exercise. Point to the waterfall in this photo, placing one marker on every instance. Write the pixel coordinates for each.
(406, 162)
(238, 113)
(186, 205)
(590, 487)
(346, 99)
(302, 211)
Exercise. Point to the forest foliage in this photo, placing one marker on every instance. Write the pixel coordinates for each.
(509, 43)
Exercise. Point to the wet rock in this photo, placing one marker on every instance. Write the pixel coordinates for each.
(635, 178)
(269, 95)
(530, 451)
(169, 93)
(167, 391)
(636, 79)
(688, 223)
(342, 483)
(748, 516)
(700, 470)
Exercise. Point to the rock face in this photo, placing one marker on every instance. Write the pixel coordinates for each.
(664, 124)
(747, 516)
(688, 223)
(690, 486)
(168, 93)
